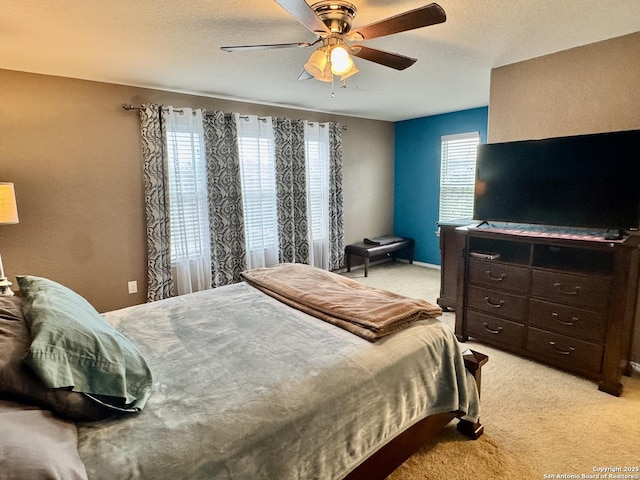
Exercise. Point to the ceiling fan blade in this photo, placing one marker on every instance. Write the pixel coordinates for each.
(304, 14)
(420, 17)
(271, 46)
(305, 75)
(393, 60)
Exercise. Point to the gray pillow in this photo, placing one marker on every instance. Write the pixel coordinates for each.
(36, 445)
(18, 382)
(73, 346)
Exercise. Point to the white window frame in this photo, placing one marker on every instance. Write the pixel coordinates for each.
(189, 182)
(256, 149)
(457, 175)
(317, 147)
(190, 250)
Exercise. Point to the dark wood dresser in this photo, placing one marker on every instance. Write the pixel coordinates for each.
(565, 301)
(451, 250)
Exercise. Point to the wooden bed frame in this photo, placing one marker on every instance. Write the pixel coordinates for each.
(393, 454)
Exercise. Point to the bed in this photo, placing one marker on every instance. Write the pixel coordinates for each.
(245, 386)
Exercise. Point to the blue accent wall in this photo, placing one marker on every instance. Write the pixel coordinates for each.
(417, 174)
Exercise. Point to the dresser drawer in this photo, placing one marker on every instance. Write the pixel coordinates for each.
(498, 275)
(568, 320)
(565, 351)
(577, 290)
(496, 302)
(495, 329)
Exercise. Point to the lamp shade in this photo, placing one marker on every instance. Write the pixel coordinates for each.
(326, 76)
(352, 71)
(8, 206)
(341, 63)
(317, 62)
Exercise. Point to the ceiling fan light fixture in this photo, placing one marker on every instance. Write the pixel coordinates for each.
(352, 71)
(317, 63)
(341, 62)
(327, 74)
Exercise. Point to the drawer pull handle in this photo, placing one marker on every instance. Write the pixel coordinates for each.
(490, 330)
(575, 291)
(494, 305)
(564, 322)
(562, 352)
(495, 279)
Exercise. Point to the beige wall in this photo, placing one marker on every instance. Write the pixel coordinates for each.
(74, 156)
(594, 88)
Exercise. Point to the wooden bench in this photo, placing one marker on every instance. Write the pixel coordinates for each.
(369, 250)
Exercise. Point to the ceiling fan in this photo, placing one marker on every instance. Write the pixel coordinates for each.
(330, 21)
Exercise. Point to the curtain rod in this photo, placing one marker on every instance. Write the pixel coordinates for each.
(128, 107)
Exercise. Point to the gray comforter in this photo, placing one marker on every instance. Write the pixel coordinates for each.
(248, 388)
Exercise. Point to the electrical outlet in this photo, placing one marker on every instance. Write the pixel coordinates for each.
(133, 286)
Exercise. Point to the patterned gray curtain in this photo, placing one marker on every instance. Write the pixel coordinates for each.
(228, 251)
(336, 199)
(291, 190)
(156, 197)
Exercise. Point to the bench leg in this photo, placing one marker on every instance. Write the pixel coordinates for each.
(366, 266)
(348, 262)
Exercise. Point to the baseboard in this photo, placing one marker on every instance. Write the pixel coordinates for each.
(635, 368)
(420, 264)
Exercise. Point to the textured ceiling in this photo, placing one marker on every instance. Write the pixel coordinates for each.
(175, 46)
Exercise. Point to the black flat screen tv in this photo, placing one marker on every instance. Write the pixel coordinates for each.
(586, 181)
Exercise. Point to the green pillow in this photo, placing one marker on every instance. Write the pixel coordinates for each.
(72, 345)
(18, 382)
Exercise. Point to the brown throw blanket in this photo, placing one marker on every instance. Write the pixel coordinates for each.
(366, 311)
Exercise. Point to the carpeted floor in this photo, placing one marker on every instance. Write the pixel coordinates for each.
(538, 420)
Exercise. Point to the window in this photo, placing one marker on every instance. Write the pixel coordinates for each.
(256, 149)
(188, 202)
(317, 167)
(257, 171)
(188, 194)
(458, 175)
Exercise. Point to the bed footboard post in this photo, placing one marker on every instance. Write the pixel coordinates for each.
(473, 361)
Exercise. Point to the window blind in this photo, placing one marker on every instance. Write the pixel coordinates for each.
(458, 175)
(257, 170)
(317, 173)
(318, 187)
(188, 195)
